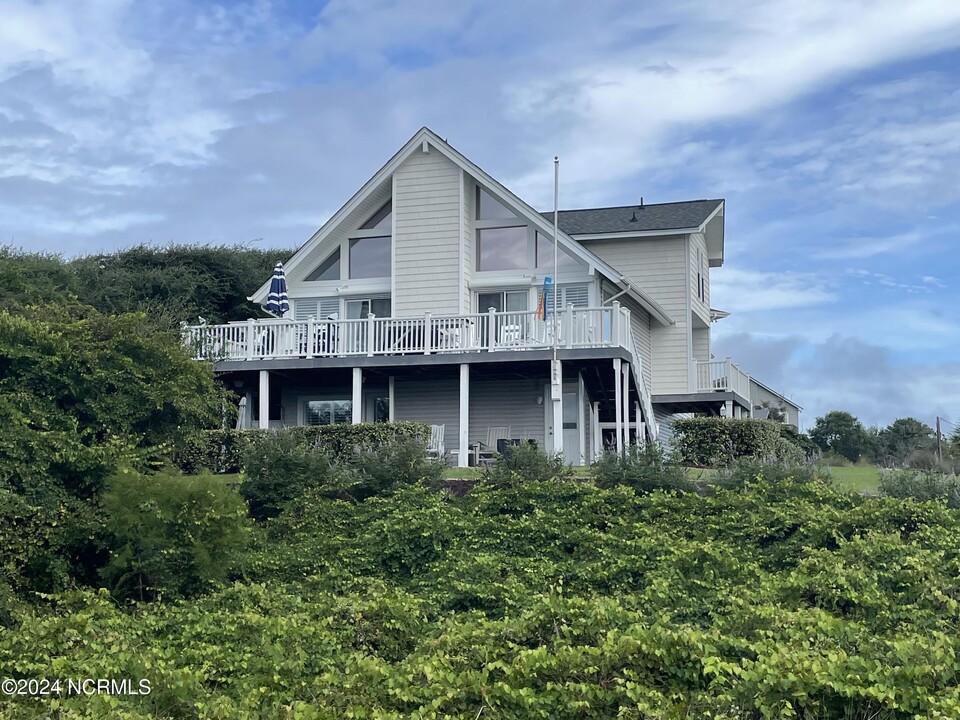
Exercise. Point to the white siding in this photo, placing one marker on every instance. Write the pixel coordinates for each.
(701, 344)
(659, 267)
(699, 268)
(427, 215)
(640, 325)
(469, 245)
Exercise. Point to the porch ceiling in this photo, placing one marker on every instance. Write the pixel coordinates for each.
(705, 402)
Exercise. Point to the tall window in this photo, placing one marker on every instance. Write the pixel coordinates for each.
(370, 257)
(370, 246)
(502, 237)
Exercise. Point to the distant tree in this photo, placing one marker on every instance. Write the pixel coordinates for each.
(840, 432)
(176, 283)
(28, 278)
(904, 438)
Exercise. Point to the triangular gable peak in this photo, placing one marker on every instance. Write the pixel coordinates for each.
(379, 190)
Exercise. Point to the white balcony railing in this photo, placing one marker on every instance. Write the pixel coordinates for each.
(491, 331)
(722, 375)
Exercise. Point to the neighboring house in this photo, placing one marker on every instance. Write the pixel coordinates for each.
(420, 300)
(765, 399)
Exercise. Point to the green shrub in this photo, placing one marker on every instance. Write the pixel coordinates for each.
(746, 471)
(706, 441)
(525, 463)
(644, 469)
(279, 466)
(921, 485)
(224, 451)
(396, 462)
(171, 535)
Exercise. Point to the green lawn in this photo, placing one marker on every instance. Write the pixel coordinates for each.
(861, 478)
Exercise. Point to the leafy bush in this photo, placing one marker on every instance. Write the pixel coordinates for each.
(223, 451)
(921, 485)
(643, 469)
(706, 441)
(746, 471)
(279, 467)
(399, 461)
(525, 463)
(171, 535)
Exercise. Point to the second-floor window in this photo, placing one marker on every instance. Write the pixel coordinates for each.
(502, 236)
(370, 246)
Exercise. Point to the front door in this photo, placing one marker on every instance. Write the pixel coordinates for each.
(572, 417)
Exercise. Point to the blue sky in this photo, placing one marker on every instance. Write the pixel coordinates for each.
(831, 127)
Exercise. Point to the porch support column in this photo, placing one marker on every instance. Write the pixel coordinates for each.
(264, 399)
(596, 437)
(625, 379)
(728, 409)
(357, 396)
(391, 400)
(248, 417)
(581, 420)
(556, 396)
(463, 446)
(641, 438)
(618, 402)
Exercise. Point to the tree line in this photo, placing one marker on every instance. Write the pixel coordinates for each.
(906, 442)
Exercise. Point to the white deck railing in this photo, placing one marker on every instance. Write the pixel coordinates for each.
(722, 375)
(491, 331)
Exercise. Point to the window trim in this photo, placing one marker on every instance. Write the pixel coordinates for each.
(302, 401)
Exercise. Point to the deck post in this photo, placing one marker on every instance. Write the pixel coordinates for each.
(311, 336)
(625, 379)
(463, 444)
(248, 419)
(596, 437)
(556, 392)
(391, 399)
(581, 420)
(491, 328)
(427, 339)
(615, 323)
(618, 400)
(251, 337)
(264, 421)
(639, 424)
(357, 417)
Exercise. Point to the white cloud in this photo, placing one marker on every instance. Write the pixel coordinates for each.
(740, 290)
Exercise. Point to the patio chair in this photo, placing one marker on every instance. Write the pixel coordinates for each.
(435, 448)
(487, 452)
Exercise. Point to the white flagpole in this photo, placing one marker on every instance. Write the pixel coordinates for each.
(556, 245)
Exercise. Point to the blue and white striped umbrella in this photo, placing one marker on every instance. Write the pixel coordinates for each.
(277, 302)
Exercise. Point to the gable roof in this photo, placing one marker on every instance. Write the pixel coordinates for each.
(774, 392)
(421, 139)
(687, 216)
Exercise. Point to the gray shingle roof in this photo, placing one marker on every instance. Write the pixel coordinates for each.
(662, 216)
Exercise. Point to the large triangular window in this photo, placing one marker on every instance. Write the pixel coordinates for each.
(329, 269)
(489, 208)
(382, 219)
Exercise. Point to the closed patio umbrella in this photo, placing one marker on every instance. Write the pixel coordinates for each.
(277, 302)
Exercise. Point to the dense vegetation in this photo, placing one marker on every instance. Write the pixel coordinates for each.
(532, 595)
(171, 284)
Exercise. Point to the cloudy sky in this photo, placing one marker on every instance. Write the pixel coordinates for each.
(832, 128)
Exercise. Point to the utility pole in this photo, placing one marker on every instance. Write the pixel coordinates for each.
(939, 441)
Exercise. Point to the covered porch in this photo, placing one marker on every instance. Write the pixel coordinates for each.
(474, 401)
